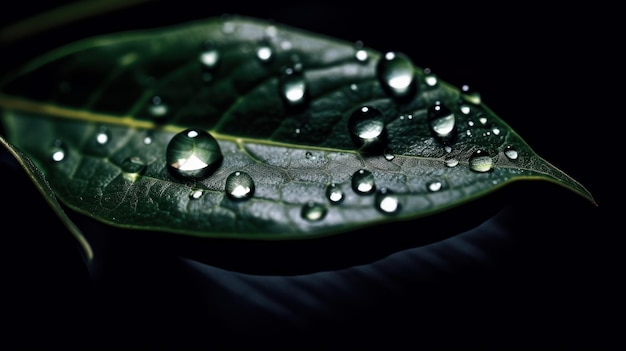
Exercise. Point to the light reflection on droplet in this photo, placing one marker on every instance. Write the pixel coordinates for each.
(193, 153)
(510, 152)
(58, 151)
(387, 202)
(312, 211)
(103, 136)
(363, 182)
(334, 193)
(434, 186)
(480, 161)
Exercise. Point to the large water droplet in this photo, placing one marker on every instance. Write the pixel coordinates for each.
(367, 128)
(480, 161)
(387, 202)
(193, 153)
(293, 87)
(334, 193)
(511, 152)
(441, 120)
(396, 75)
(312, 211)
(58, 151)
(363, 182)
(239, 186)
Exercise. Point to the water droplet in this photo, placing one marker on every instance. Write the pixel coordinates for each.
(195, 194)
(363, 182)
(387, 202)
(451, 162)
(58, 151)
(470, 95)
(334, 193)
(389, 155)
(209, 56)
(157, 107)
(103, 136)
(360, 54)
(239, 186)
(193, 153)
(396, 74)
(310, 156)
(434, 186)
(312, 211)
(264, 53)
(510, 152)
(133, 167)
(441, 120)
(430, 78)
(367, 127)
(496, 131)
(293, 87)
(480, 161)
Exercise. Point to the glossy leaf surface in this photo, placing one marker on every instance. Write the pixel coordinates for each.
(236, 127)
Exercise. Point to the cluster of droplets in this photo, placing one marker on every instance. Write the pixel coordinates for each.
(194, 154)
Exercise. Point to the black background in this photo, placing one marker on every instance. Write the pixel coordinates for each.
(545, 271)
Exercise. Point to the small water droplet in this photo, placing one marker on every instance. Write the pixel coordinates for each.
(58, 151)
(470, 95)
(367, 127)
(334, 193)
(396, 75)
(209, 56)
(434, 185)
(480, 161)
(387, 202)
(293, 87)
(496, 131)
(441, 120)
(310, 156)
(195, 194)
(157, 107)
(430, 78)
(193, 153)
(264, 52)
(103, 136)
(451, 162)
(312, 211)
(133, 167)
(363, 182)
(239, 186)
(510, 152)
(389, 155)
(360, 54)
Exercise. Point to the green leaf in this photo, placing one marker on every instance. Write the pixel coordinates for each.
(239, 128)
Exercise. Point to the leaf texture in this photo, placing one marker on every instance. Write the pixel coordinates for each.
(237, 127)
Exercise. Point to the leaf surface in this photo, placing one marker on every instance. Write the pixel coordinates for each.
(241, 128)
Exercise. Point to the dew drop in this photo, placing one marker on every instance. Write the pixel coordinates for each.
(209, 56)
(312, 211)
(58, 151)
(470, 95)
(396, 74)
(293, 87)
(239, 186)
(193, 153)
(264, 52)
(103, 136)
(430, 78)
(510, 152)
(387, 202)
(434, 186)
(441, 120)
(363, 182)
(480, 161)
(157, 107)
(367, 127)
(133, 167)
(451, 162)
(389, 155)
(195, 194)
(360, 54)
(334, 193)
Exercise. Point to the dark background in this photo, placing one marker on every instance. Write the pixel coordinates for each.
(543, 271)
